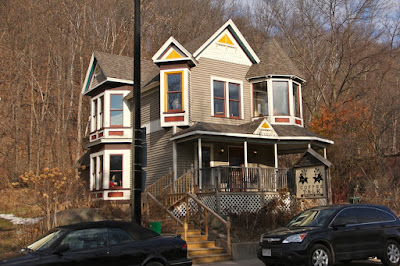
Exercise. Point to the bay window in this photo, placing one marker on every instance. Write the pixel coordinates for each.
(260, 96)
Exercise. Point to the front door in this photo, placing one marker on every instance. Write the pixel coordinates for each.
(236, 162)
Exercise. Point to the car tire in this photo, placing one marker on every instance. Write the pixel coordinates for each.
(319, 255)
(154, 263)
(391, 253)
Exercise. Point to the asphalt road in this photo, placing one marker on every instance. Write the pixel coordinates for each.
(256, 262)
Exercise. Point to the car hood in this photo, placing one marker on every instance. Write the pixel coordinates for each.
(17, 258)
(286, 231)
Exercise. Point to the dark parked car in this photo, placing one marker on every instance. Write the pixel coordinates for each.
(103, 243)
(325, 235)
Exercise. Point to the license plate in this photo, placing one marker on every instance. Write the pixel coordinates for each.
(266, 252)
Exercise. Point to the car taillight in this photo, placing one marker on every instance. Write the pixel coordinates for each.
(184, 246)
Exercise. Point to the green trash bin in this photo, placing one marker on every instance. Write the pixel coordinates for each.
(156, 227)
(354, 200)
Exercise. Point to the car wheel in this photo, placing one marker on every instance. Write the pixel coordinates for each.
(319, 255)
(154, 263)
(391, 253)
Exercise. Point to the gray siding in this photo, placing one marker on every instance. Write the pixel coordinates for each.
(150, 103)
(185, 157)
(200, 90)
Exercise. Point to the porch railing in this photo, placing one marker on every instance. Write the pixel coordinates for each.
(241, 179)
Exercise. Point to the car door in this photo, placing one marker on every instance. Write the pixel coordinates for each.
(344, 236)
(370, 230)
(124, 249)
(86, 247)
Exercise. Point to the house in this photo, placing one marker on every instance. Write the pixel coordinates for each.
(213, 106)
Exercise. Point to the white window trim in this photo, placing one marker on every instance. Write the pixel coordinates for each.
(225, 80)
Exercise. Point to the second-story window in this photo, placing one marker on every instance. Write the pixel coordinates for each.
(260, 96)
(101, 112)
(94, 115)
(296, 100)
(116, 110)
(226, 99)
(280, 91)
(174, 91)
(219, 98)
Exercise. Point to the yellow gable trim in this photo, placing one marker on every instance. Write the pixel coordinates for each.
(226, 40)
(265, 125)
(173, 55)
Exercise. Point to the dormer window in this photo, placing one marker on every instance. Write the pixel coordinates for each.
(174, 91)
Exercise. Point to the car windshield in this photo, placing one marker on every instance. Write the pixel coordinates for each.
(311, 218)
(45, 241)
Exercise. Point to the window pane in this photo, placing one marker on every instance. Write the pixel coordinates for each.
(116, 118)
(281, 97)
(368, 215)
(117, 236)
(116, 179)
(346, 217)
(174, 82)
(234, 109)
(385, 217)
(233, 91)
(219, 107)
(260, 95)
(116, 162)
(86, 238)
(116, 102)
(296, 101)
(219, 89)
(174, 101)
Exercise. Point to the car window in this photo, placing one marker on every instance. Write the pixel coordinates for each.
(86, 238)
(386, 217)
(368, 215)
(118, 235)
(45, 241)
(346, 217)
(311, 218)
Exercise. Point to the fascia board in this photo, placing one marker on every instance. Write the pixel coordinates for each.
(88, 74)
(251, 136)
(235, 31)
(120, 80)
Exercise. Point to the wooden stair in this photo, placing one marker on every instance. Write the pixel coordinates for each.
(200, 250)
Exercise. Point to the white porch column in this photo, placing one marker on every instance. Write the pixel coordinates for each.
(309, 145)
(174, 160)
(200, 155)
(325, 156)
(276, 155)
(245, 154)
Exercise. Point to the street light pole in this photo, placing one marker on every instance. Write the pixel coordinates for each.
(136, 148)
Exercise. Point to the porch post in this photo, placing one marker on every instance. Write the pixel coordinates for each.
(200, 162)
(174, 160)
(276, 165)
(325, 156)
(245, 154)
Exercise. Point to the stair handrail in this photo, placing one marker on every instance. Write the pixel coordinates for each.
(183, 184)
(183, 224)
(157, 187)
(226, 223)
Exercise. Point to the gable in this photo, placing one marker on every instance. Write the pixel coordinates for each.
(173, 51)
(228, 44)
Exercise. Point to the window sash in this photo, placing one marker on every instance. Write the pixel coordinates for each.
(219, 98)
(174, 91)
(116, 110)
(116, 170)
(226, 93)
(260, 99)
(296, 100)
(280, 91)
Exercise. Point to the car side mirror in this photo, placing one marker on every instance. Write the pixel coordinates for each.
(61, 249)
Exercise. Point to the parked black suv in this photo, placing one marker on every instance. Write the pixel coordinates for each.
(325, 235)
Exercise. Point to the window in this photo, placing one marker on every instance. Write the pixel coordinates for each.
(94, 170)
(346, 217)
(118, 235)
(94, 115)
(174, 91)
(101, 112)
(115, 171)
(116, 111)
(86, 238)
(260, 96)
(368, 215)
(100, 179)
(296, 99)
(227, 98)
(219, 98)
(280, 90)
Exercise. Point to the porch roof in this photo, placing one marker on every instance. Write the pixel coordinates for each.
(283, 132)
